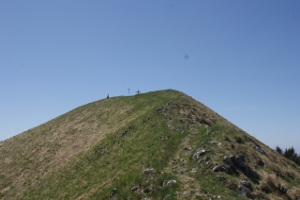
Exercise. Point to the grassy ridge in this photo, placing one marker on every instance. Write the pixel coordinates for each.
(118, 160)
(100, 151)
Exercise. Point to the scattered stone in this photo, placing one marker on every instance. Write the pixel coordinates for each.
(123, 133)
(242, 190)
(113, 192)
(194, 170)
(282, 189)
(199, 153)
(134, 188)
(236, 161)
(246, 184)
(260, 163)
(148, 170)
(220, 168)
(260, 150)
(164, 138)
(245, 191)
(229, 160)
(169, 182)
(298, 197)
(207, 131)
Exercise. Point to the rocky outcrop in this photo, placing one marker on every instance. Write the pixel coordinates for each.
(238, 163)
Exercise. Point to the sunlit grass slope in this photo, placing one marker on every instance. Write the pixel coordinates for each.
(158, 145)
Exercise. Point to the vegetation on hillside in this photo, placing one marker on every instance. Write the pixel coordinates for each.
(289, 153)
(158, 145)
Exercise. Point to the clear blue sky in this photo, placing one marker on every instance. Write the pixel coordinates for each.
(240, 58)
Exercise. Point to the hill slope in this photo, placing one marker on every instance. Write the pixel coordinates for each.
(158, 145)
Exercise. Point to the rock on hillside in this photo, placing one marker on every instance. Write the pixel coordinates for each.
(158, 145)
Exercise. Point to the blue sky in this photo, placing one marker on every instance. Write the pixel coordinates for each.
(240, 58)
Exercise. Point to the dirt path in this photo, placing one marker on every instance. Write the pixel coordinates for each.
(190, 187)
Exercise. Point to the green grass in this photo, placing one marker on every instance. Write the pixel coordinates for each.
(118, 162)
(90, 151)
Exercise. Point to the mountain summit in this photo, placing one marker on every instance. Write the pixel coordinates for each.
(157, 145)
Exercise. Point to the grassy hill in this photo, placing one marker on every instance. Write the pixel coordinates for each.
(158, 145)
